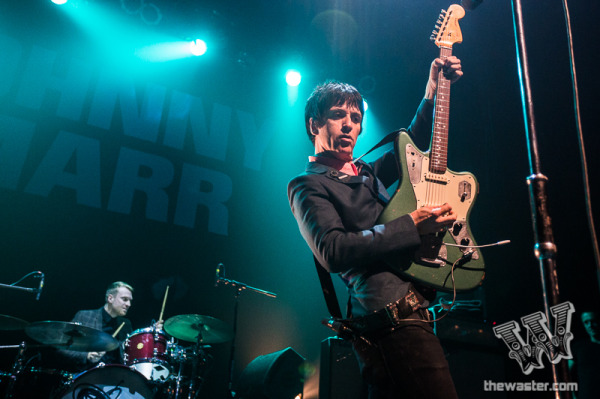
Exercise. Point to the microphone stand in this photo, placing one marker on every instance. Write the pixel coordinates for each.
(545, 249)
(240, 287)
(14, 286)
(19, 288)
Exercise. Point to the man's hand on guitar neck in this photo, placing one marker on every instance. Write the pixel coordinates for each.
(452, 71)
(433, 219)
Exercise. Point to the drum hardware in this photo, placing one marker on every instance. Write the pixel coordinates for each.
(17, 368)
(187, 383)
(240, 287)
(71, 336)
(201, 330)
(24, 381)
(36, 382)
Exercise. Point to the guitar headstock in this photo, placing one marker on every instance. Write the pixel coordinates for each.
(447, 32)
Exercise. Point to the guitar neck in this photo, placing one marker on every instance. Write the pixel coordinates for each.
(439, 139)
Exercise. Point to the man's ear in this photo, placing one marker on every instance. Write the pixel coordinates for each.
(314, 127)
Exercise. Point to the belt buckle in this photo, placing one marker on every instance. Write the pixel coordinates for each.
(393, 313)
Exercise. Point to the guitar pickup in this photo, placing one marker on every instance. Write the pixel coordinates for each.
(437, 178)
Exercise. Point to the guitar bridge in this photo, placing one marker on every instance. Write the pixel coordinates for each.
(431, 250)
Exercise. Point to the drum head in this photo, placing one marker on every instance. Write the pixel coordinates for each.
(153, 371)
(113, 381)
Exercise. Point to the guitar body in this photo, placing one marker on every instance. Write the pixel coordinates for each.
(432, 262)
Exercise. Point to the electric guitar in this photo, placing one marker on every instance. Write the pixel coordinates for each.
(426, 181)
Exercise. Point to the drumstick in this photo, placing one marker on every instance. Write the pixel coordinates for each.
(164, 303)
(118, 329)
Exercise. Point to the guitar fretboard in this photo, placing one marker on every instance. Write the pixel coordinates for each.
(439, 140)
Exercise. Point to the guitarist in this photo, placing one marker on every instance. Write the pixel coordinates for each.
(336, 203)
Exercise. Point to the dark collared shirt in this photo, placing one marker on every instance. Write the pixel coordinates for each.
(110, 325)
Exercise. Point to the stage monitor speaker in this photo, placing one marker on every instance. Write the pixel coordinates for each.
(339, 376)
(277, 375)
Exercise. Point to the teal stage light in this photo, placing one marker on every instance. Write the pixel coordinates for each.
(198, 47)
(59, 2)
(293, 78)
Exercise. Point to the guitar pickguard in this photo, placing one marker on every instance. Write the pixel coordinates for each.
(431, 263)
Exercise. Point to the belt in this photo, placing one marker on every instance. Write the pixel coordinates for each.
(392, 315)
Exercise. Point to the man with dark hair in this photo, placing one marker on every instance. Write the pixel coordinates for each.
(108, 318)
(336, 203)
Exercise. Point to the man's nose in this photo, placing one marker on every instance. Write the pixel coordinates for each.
(346, 127)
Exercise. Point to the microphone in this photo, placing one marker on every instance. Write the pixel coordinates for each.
(220, 269)
(41, 286)
(470, 4)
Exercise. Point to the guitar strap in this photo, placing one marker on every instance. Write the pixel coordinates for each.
(387, 139)
(328, 291)
(324, 277)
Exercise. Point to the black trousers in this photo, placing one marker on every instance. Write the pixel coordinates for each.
(407, 362)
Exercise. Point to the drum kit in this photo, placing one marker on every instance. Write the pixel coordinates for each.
(169, 362)
(158, 363)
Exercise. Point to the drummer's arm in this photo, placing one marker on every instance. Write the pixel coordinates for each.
(75, 358)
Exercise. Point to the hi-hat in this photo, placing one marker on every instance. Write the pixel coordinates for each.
(198, 328)
(72, 336)
(11, 323)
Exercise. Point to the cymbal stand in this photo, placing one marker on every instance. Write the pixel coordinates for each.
(18, 367)
(240, 287)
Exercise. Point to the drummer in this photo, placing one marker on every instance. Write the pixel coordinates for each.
(110, 319)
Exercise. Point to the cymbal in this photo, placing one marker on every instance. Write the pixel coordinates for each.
(198, 328)
(11, 323)
(72, 336)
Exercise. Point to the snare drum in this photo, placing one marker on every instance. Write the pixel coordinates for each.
(146, 351)
(112, 381)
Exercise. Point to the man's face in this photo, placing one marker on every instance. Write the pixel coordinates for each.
(590, 322)
(339, 131)
(118, 304)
